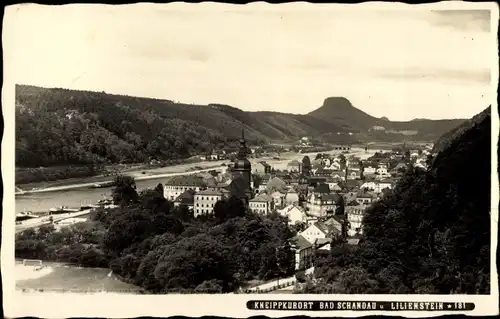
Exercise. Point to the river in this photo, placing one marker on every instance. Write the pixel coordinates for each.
(43, 201)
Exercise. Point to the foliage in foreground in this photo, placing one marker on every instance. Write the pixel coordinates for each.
(150, 243)
(431, 235)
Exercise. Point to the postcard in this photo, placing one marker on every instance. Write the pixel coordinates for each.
(242, 160)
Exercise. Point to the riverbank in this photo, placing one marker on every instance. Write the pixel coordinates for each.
(138, 174)
(169, 171)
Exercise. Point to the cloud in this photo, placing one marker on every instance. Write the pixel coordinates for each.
(275, 59)
(464, 20)
(481, 76)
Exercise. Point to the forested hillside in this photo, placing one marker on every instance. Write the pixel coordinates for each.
(430, 235)
(445, 140)
(61, 127)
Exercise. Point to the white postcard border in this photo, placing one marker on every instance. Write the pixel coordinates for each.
(232, 305)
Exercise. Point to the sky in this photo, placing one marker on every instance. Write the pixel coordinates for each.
(398, 63)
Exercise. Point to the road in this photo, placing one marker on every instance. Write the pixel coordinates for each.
(269, 285)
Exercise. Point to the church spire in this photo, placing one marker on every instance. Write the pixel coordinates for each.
(243, 147)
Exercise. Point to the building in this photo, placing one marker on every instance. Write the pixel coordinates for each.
(370, 185)
(353, 171)
(279, 199)
(204, 201)
(276, 184)
(382, 169)
(242, 170)
(303, 252)
(369, 169)
(355, 213)
(321, 202)
(326, 161)
(261, 168)
(185, 199)
(323, 172)
(294, 214)
(294, 166)
(365, 198)
(338, 174)
(323, 230)
(292, 197)
(333, 183)
(179, 184)
(261, 204)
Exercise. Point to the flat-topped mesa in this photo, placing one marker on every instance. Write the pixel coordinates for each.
(337, 101)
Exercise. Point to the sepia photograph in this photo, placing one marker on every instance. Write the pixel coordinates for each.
(213, 155)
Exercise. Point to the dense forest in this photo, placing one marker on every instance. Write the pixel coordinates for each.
(430, 235)
(148, 242)
(445, 140)
(60, 127)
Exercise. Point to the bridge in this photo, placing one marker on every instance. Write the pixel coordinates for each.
(342, 147)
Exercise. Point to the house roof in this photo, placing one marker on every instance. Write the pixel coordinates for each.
(332, 196)
(353, 203)
(186, 198)
(322, 188)
(386, 181)
(211, 182)
(363, 194)
(276, 182)
(186, 180)
(209, 192)
(353, 183)
(326, 227)
(323, 171)
(323, 241)
(337, 218)
(300, 242)
(317, 165)
(261, 198)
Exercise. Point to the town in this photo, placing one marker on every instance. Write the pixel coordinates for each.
(322, 198)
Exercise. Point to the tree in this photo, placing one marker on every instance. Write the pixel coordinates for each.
(306, 166)
(125, 190)
(301, 276)
(159, 189)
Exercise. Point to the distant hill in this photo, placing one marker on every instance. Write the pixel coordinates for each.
(446, 139)
(61, 126)
(340, 112)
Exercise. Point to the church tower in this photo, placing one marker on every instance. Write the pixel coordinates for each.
(242, 167)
